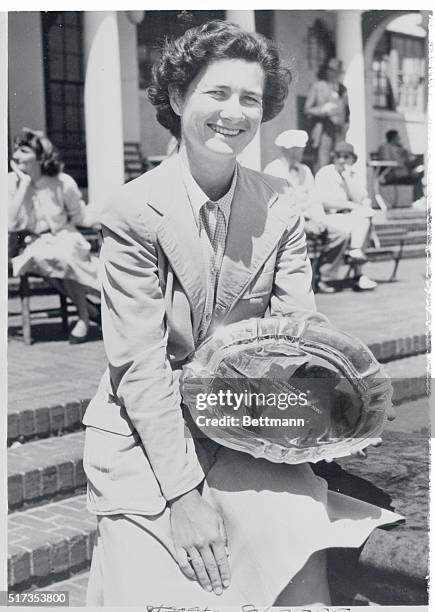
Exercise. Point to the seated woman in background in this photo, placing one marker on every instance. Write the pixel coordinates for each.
(341, 190)
(47, 204)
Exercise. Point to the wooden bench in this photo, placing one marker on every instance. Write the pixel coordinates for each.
(31, 284)
(374, 253)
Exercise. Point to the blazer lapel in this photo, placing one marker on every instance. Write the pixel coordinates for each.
(178, 233)
(256, 224)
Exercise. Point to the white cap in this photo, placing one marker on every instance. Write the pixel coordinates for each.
(292, 138)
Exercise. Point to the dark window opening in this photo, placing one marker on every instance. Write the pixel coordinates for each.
(62, 38)
(264, 23)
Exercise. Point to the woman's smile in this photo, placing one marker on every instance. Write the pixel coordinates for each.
(222, 109)
(225, 131)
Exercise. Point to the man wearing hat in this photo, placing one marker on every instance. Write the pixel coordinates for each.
(288, 166)
(343, 195)
(327, 107)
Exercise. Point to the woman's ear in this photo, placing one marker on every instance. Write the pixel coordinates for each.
(175, 99)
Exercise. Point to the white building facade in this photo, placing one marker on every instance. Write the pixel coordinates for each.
(81, 78)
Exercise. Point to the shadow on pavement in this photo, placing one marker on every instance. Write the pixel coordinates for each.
(50, 332)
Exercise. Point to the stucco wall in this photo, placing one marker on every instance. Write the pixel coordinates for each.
(154, 138)
(129, 77)
(26, 79)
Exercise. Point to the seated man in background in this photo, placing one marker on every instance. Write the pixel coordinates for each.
(288, 166)
(342, 193)
(410, 167)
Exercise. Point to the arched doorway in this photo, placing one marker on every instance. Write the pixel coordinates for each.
(396, 67)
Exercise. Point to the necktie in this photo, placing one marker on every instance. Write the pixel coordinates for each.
(213, 221)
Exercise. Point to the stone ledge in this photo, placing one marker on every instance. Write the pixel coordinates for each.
(46, 420)
(54, 420)
(45, 469)
(393, 565)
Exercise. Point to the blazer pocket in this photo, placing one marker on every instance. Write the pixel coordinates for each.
(260, 286)
(104, 448)
(120, 477)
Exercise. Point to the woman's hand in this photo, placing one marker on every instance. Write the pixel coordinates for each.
(200, 541)
(23, 178)
(18, 197)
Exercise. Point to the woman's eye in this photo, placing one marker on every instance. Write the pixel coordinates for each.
(252, 100)
(217, 93)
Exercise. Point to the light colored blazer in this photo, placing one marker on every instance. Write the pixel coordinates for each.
(137, 453)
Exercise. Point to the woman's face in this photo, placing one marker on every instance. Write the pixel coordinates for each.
(222, 109)
(25, 158)
(343, 161)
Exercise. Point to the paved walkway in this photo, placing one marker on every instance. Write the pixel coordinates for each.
(51, 371)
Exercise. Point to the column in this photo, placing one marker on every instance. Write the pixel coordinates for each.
(251, 156)
(350, 51)
(103, 105)
(127, 23)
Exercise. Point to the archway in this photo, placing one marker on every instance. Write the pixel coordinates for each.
(375, 24)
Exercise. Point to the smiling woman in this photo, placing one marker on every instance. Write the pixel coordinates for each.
(195, 244)
(220, 114)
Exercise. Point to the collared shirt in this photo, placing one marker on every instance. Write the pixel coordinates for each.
(333, 188)
(213, 256)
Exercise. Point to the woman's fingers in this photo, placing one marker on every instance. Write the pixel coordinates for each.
(184, 563)
(212, 567)
(15, 168)
(222, 562)
(222, 554)
(198, 563)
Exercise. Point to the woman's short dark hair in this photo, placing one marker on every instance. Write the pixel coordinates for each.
(45, 151)
(184, 57)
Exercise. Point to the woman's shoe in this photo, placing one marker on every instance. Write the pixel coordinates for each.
(356, 256)
(364, 283)
(75, 338)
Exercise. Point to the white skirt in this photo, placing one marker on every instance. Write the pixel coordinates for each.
(66, 254)
(276, 516)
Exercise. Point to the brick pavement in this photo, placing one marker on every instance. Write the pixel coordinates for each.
(53, 372)
(76, 587)
(47, 541)
(56, 538)
(43, 470)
